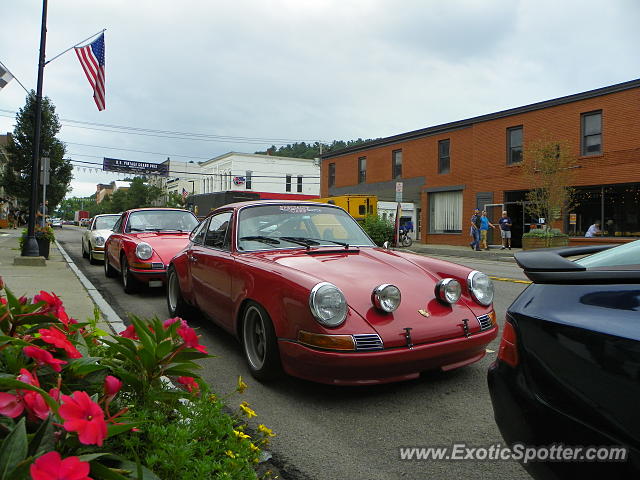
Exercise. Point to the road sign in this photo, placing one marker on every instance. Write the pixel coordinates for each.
(398, 191)
(44, 171)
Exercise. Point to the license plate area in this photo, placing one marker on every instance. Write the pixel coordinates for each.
(155, 283)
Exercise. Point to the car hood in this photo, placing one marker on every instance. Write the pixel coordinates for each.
(104, 233)
(165, 245)
(357, 273)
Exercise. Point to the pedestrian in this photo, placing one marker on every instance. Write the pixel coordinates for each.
(475, 230)
(505, 230)
(13, 220)
(484, 228)
(593, 230)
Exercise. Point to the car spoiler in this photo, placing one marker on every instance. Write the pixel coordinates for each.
(550, 265)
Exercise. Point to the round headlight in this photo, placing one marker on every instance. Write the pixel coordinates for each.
(328, 304)
(144, 251)
(481, 287)
(448, 290)
(386, 297)
(99, 241)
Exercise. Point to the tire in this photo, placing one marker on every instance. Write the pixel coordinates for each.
(129, 283)
(176, 305)
(92, 260)
(109, 271)
(84, 252)
(259, 343)
(406, 241)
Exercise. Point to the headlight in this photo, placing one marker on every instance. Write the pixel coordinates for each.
(99, 241)
(448, 290)
(386, 297)
(144, 251)
(328, 304)
(481, 287)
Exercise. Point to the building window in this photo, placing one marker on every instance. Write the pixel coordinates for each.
(514, 145)
(362, 169)
(445, 212)
(247, 180)
(444, 163)
(299, 183)
(592, 133)
(288, 183)
(332, 174)
(396, 164)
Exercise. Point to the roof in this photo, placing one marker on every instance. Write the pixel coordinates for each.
(446, 127)
(255, 155)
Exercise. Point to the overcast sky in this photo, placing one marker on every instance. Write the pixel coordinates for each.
(293, 70)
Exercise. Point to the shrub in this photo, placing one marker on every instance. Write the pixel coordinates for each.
(379, 229)
(544, 233)
(40, 232)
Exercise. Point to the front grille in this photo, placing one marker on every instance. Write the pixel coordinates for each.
(485, 322)
(368, 341)
(157, 266)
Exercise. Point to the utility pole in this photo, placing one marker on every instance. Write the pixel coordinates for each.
(30, 248)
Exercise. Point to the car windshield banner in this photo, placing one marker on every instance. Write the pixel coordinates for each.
(131, 166)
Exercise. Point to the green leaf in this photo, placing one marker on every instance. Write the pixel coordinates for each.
(100, 471)
(130, 466)
(4, 339)
(143, 334)
(179, 372)
(42, 438)
(164, 348)
(113, 429)
(13, 449)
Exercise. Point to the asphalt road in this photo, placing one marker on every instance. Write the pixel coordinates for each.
(326, 432)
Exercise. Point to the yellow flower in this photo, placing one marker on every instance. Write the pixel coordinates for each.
(213, 398)
(230, 454)
(241, 387)
(244, 406)
(241, 434)
(266, 431)
(253, 447)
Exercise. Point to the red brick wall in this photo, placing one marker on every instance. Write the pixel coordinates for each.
(478, 154)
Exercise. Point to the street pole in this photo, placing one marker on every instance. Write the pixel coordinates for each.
(30, 248)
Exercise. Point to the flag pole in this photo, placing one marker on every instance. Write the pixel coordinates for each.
(14, 77)
(74, 46)
(30, 248)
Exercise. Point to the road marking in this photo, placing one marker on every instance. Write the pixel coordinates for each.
(513, 280)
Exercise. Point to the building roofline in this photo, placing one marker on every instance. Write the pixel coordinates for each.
(466, 123)
(255, 155)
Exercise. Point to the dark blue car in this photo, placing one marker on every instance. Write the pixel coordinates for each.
(568, 368)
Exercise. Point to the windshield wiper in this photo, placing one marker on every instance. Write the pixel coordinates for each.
(261, 238)
(305, 242)
(345, 245)
(134, 229)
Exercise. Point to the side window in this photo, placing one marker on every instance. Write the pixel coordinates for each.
(219, 232)
(197, 236)
(116, 227)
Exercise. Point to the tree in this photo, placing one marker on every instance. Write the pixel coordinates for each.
(548, 165)
(16, 178)
(175, 200)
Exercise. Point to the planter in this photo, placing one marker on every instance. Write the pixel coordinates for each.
(530, 243)
(43, 247)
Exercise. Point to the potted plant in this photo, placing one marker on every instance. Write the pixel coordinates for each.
(544, 238)
(44, 237)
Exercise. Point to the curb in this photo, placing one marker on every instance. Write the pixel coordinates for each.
(110, 316)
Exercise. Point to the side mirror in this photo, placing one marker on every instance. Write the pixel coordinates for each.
(385, 245)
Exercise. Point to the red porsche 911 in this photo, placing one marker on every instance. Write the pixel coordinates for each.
(143, 242)
(307, 292)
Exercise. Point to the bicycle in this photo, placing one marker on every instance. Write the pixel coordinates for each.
(405, 240)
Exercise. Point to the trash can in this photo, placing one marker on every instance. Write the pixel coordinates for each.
(44, 245)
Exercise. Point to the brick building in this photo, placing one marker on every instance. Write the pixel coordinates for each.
(450, 169)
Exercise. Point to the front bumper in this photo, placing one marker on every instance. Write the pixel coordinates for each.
(381, 366)
(97, 253)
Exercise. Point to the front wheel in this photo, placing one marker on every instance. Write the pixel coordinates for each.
(259, 343)
(406, 241)
(175, 302)
(129, 283)
(109, 271)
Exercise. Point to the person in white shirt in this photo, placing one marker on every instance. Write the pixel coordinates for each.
(593, 230)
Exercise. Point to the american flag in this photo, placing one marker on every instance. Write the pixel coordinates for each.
(91, 58)
(5, 77)
(185, 194)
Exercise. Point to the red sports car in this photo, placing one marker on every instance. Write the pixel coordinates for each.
(143, 242)
(306, 291)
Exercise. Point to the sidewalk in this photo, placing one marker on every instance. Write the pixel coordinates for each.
(494, 253)
(59, 276)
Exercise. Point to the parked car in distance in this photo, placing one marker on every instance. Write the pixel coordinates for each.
(568, 367)
(143, 242)
(305, 290)
(83, 222)
(68, 222)
(56, 222)
(95, 236)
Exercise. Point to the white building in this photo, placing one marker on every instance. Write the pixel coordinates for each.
(260, 173)
(387, 211)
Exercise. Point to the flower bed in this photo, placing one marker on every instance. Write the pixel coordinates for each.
(76, 405)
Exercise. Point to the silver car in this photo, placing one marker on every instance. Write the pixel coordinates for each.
(96, 235)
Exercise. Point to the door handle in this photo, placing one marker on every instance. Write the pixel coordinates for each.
(193, 258)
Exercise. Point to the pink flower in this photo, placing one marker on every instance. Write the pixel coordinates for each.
(170, 321)
(55, 394)
(112, 386)
(36, 404)
(189, 383)
(10, 405)
(42, 357)
(58, 339)
(50, 466)
(51, 299)
(190, 338)
(130, 332)
(27, 377)
(84, 416)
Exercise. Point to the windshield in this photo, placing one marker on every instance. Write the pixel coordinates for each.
(161, 221)
(105, 223)
(627, 254)
(285, 226)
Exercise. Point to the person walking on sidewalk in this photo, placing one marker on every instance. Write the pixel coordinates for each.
(475, 230)
(484, 228)
(505, 230)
